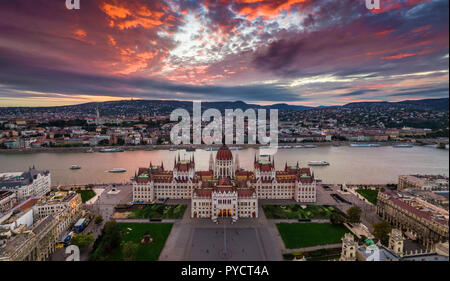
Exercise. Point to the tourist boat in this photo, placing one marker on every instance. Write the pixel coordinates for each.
(285, 147)
(235, 148)
(364, 145)
(403, 145)
(111, 150)
(117, 170)
(172, 149)
(75, 167)
(310, 146)
(214, 148)
(298, 146)
(318, 163)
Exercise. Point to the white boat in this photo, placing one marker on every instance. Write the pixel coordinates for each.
(90, 150)
(111, 150)
(117, 170)
(75, 167)
(172, 149)
(285, 147)
(235, 148)
(364, 145)
(318, 163)
(400, 145)
(310, 146)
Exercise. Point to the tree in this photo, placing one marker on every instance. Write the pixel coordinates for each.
(82, 240)
(111, 236)
(381, 231)
(354, 214)
(129, 250)
(98, 220)
(336, 218)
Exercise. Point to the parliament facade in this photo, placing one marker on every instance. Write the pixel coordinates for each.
(224, 190)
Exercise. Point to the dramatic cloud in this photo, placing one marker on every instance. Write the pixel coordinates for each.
(314, 52)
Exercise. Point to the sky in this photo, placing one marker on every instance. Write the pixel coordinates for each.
(300, 52)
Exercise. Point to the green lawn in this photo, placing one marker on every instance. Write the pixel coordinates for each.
(159, 211)
(86, 194)
(298, 235)
(295, 211)
(135, 232)
(369, 194)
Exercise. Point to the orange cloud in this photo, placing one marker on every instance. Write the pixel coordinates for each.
(423, 28)
(137, 15)
(115, 11)
(80, 33)
(384, 32)
(253, 9)
(399, 56)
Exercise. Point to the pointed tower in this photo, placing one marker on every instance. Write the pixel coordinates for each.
(396, 242)
(348, 248)
(211, 162)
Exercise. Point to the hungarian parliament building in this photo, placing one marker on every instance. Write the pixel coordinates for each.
(224, 190)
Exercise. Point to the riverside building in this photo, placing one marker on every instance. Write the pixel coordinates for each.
(26, 184)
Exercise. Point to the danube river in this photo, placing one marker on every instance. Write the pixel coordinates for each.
(347, 164)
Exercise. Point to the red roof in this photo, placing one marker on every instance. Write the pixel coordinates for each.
(224, 181)
(245, 192)
(224, 154)
(29, 204)
(203, 192)
(224, 189)
(416, 211)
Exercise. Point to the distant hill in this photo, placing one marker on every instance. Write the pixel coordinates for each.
(137, 107)
(425, 104)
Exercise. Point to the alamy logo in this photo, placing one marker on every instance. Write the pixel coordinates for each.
(73, 252)
(373, 4)
(73, 4)
(212, 133)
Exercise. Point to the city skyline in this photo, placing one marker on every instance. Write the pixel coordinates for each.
(265, 52)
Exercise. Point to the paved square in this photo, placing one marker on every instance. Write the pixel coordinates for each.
(243, 244)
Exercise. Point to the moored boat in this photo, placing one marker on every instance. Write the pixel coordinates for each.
(318, 163)
(75, 167)
(310, 146)
(364, 145)
(400, 145)
(111, 150)
(117, 170)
